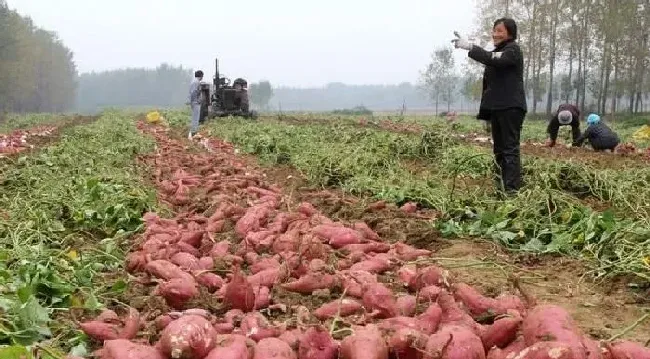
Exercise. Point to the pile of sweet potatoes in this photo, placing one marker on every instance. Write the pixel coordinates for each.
(373, 301)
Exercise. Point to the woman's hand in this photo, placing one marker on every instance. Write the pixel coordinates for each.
(461, 42)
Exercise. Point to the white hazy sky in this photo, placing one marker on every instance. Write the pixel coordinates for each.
(289, 42)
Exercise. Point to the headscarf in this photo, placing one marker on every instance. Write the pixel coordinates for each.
(593, 119)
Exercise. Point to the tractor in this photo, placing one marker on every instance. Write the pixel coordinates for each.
(226, 99)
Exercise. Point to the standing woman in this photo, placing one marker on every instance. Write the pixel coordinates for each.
(503, 102)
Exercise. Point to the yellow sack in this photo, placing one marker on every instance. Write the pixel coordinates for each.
(642, 133)
(154, 117)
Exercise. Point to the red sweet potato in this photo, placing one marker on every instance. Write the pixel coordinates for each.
(429, 293)
(252, 220)
(273, 348)
(177, 292)
(185, 261)
(125, 349)
(162, 321)
(380, 301)
(429, 321)
(108, 316)
(291, 337)
(239, 293)
(406, 252)
(131, 325)
(167, 270)
(507, 352)
(553, 323)
(409, 207)
(365, 343)
(478, 305)
(100, 331)
(338, 236)
(209, 280)
(255, 326)
(267, 277)
(431, 275)
(454, 342)
(377, 264)
(501, 333)
(136, 262)
(377, 247)
(190, 336)
(230, 347)
(453, 315)
(407, 343)
(546, 350)
(187, 248)
(406, 305)
(206, 263)
(353, 281)
(264, 263)
(192, 238)
(366, 231)
(624, 349)
(311, 282)
(342, 307)
(316, 343)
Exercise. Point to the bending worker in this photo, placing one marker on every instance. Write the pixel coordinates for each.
(566, 115)
(599, 135)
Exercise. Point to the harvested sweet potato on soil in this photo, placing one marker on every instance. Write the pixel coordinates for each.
(452, 314)
(125, 349)
(311, 282)
(505, 353)
(501, 333)
(553, 323)
(380, 301)
(230, 347)
(316, 343)
(255, 326)
(546, 350)
(407, 343)
(342, 307)
(624, 349)
(273, 348)
(100, 331)
(185, 261)
(454, 342)
(366, 343)
(431, 275)
(167, 270)
(406, 305)
(131, 325)
(177, 292)
(338, 236)
(239, 293)
(190, 336)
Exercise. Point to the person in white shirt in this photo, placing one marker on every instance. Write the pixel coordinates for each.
(195, 102)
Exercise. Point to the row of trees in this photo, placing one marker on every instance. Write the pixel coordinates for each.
(37, 71)
(595, 53)
(164, 86)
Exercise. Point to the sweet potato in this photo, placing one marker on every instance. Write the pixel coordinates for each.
(406, 252)
(377, 264)
(454, 342)
(136, 262)
(624, 349)
(377, 247)
(262, 297)
(431, 275)
(108, 316)
(162, 321)
(167, 270)
(252, 220)
(125, 349)
(380, 301)
(192, 238)
(177, 292)
(366, 231)
(273, 348)
(209, 280)
(239, 293)
(342, 307)
(406, 305)
(267, 277)
(353, 281)
(206, 263)
(131, 325)
(190, 336)
(553, 323)
(187, 248)
(255, 326)
(365, 343)
(479, 305)
(316, 343)
(505, 353)
(291, 337)
(407, 343)
(545, 350)
(453, 315)
(230, 347)
(311, 282)
(185, 261)
(430, 319)
(407, 273)
(100, 331)
(501, 333)
(429, 293)
(264, 263)
(337, 236)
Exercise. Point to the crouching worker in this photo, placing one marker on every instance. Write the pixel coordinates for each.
(566, 115)
(599, 135)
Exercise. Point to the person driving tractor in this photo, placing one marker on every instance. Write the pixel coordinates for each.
(566, 115)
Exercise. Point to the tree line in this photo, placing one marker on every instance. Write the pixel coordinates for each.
(37, 71)
(593, 53)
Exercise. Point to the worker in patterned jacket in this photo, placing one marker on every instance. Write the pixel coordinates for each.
(599, 135)
(195, 102)
(566, 115)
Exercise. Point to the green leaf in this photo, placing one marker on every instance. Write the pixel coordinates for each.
(15, 352)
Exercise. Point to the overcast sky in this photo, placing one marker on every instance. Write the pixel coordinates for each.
(289, 42)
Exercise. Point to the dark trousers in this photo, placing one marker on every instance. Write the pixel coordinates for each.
(506, 133)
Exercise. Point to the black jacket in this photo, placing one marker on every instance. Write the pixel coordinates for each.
(600, 137)
(503, 78)
(554, 124)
